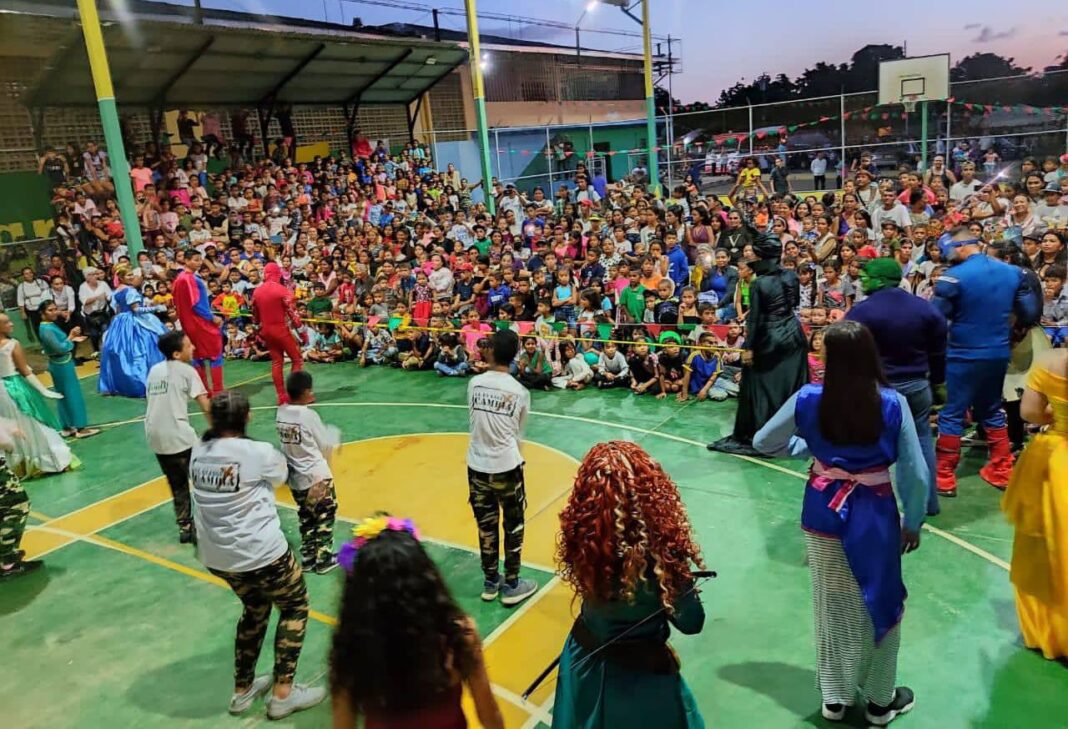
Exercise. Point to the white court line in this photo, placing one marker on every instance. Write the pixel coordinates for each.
(978, 551)
(544, 708)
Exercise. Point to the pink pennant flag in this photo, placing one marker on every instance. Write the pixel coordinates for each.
(525, 327)
(372, 320)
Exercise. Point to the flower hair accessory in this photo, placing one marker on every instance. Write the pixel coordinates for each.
(367, 530)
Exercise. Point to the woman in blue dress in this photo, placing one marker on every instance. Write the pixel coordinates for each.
(130, 347)
(855, 426)
(626, 548)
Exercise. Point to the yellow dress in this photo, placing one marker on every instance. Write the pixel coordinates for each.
(1036, 503)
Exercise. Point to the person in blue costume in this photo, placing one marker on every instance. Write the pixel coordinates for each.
(59, 346)
(855, 426)
(626, 547)
(131, 342)
(983, 299)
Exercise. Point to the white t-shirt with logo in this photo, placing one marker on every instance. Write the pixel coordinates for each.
(305, 443)
(232, 483)
(170, 387)
(497, 405)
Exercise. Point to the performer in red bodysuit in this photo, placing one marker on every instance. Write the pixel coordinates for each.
(193, 305)
(272, 309)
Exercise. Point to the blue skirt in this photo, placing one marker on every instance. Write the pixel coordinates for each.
(130, 349)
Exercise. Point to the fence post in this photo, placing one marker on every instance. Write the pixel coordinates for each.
(841, 122)
(549, 161)
(949, 134)
(434, 148)
(497, 142)
(750, 129)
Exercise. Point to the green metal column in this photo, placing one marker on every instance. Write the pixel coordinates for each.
(109, 119)
(480, 104)
(650, 103)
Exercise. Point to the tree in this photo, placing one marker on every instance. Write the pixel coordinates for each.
(985, 65)
(661, 99)
(863, 72)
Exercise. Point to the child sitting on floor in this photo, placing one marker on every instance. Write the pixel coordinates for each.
(612, 369)
(644, 369)
(704, 379)
(378, 346)
(452, 359)
(672, 364)
(576, 373)
(327, 346)
(236, 342)
(535, 371)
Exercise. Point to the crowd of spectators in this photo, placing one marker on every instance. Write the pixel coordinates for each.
(396, 261)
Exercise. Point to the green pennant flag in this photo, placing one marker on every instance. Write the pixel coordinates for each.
(792, 127)
(559, 326)
(394, 322)
(604, 331)
(686, 327)
(502, 325)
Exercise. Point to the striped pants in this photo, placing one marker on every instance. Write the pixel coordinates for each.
(846, 655)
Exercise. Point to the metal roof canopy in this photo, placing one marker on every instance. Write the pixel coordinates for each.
(157, 62)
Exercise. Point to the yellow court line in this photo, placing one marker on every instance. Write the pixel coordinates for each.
(948, 536)
(511, 697)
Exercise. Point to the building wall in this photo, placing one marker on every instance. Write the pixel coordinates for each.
(530, 113)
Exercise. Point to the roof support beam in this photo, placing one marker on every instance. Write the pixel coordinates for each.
(412, 115)
(271, 95)
(354, 98)
(161, 95)
(351, 112)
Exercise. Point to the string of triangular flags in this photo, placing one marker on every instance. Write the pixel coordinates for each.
(876, 112)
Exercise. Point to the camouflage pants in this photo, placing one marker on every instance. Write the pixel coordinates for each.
(317, 521)
(175, 467)
(14, 509)
(491, 496)
(281, 584)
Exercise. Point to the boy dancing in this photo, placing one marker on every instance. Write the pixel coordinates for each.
(307, 445)
(498, 407)
(171, 384)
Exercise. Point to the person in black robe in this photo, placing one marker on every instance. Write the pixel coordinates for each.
(775, 362)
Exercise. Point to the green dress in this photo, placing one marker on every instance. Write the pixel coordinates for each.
(594, 693)
(60, 351)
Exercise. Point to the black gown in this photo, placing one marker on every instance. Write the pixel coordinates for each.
(780, 361)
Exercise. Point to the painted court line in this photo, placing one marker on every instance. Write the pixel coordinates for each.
(948, 536)
(99, 541)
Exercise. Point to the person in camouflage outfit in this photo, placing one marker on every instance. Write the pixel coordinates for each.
(280, 583)
(14, 510)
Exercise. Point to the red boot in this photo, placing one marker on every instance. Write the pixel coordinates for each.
(947, 450)
(998, 469)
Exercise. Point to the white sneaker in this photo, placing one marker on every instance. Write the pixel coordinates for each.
(299, 699)
(239, 703)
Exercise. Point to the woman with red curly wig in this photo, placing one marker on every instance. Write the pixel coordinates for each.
(626, 547)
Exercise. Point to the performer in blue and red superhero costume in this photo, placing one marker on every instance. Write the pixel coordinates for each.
(272, 309)
(982, 298)
(193, 305)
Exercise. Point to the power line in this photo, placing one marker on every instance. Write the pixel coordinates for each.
(555, 24)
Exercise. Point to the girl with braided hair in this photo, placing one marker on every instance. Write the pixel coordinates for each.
(626, 547)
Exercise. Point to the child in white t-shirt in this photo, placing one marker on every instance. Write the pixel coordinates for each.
(307, 445)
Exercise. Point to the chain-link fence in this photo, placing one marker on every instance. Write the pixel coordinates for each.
(996, 123)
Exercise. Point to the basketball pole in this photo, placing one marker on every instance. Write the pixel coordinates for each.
(480, 104)
(109, 120)
(923, 135)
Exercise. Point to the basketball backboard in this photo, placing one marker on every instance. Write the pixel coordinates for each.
(920, 78)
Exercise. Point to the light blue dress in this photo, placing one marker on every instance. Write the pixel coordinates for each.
(131, 345)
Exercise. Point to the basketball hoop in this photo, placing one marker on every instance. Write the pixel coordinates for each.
(909, 101)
